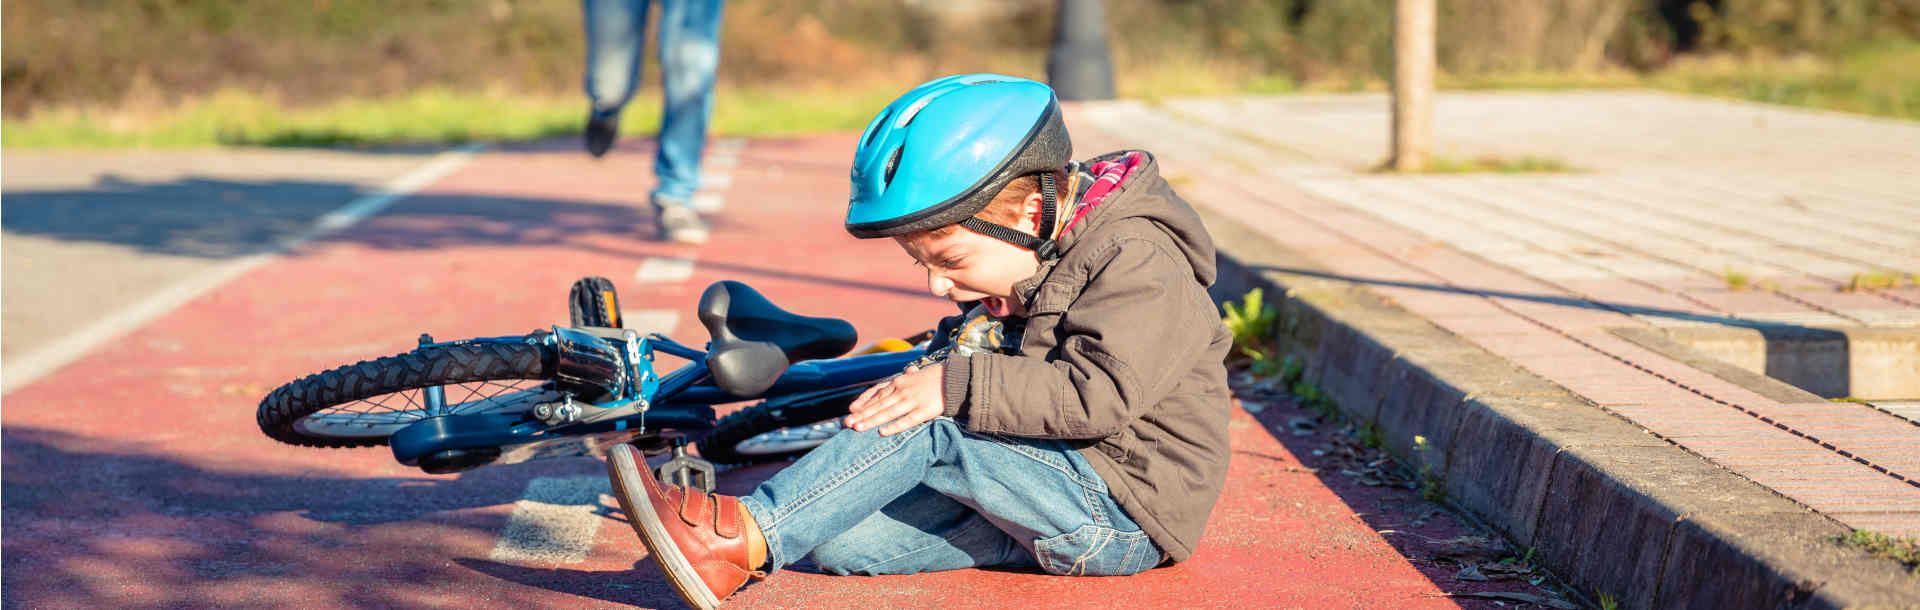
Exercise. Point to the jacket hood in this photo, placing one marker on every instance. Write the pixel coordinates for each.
(1145, 194)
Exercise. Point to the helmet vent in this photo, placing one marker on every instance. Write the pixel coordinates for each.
(907, 116)
(893, 163)
(876, 129)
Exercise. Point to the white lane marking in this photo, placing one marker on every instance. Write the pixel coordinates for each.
(708, 202)
(721, 158)
(367, 206)
(25, 369)
(661, 269)
(645, 321)
(555, 522)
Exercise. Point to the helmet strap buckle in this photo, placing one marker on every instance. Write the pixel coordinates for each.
(1048, 248)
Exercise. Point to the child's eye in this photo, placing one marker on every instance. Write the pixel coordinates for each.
(950, 263)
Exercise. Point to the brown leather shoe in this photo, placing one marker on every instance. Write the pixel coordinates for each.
(699, 539)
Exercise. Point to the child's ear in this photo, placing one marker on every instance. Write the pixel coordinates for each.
(1030, 212)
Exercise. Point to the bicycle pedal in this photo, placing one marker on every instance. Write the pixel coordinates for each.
(592, 302)
(685, 470)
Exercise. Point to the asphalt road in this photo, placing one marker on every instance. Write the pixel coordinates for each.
(88, 234)
(135, 475)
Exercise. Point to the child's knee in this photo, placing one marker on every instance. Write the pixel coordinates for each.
(842, 559)
(937, 425)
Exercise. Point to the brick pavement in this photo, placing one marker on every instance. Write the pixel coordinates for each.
(1675, 197)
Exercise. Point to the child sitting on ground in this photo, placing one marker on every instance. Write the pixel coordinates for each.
(1075, 420)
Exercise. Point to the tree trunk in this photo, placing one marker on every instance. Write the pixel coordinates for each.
(1413, 32)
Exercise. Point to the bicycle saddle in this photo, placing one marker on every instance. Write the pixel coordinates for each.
(755, 341)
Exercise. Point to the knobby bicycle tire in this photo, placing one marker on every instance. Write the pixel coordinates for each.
(721, 444)
(421, 368)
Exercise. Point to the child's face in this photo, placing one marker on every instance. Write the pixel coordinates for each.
(967, 266)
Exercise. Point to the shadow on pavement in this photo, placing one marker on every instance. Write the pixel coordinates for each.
(1434, 540)
(1638, 310)
(642, 586)
(221, 219)
(187, 217)
(95, 522)
(1780, 338)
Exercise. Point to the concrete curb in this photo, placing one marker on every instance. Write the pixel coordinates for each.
(1609, 507)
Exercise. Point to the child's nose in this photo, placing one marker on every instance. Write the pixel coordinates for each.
(940, 286)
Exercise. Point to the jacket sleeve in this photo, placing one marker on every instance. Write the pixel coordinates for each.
(1134, 329)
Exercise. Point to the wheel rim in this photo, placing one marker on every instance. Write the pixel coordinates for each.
(787, 440)
(380, 416)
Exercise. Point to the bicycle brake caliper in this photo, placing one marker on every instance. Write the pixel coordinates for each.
(646, 383)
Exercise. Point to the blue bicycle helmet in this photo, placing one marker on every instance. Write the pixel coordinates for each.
(940, 153)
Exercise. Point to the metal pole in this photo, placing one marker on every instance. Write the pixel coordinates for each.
(1413, 32)
(1079, 66)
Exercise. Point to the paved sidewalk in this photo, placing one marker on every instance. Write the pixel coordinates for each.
(1686, 215)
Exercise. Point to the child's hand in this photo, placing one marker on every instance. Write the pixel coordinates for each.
(904, 401)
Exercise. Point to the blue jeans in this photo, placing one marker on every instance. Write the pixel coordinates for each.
(937, 497)
(689, 54)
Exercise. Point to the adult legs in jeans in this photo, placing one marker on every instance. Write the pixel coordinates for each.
(917, 501)
(689, 55)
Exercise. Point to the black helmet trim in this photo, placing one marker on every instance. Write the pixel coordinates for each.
(1048, 135)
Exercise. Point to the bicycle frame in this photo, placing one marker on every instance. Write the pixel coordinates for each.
(619, 364)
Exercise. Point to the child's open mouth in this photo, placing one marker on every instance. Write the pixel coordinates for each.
(997, 307)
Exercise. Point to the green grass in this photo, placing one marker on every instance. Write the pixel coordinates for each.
(1526, 164)
(1736, 280)
(1880, 78)
(1484, 164)
(1903, 549)
(238, 118)
(436, 116)
(1878, 280)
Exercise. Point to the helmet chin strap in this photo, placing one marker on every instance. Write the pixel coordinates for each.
(1043, 246)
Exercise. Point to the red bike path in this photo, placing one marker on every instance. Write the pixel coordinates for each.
(136, 476)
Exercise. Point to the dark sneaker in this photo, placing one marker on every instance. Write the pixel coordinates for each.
(698, 539)
(601, 131)
(680, 224)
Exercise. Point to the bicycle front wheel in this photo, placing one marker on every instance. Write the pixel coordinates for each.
(360, 405)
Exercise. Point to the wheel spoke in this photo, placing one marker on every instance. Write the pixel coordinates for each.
(789, 439)
(383, 414)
